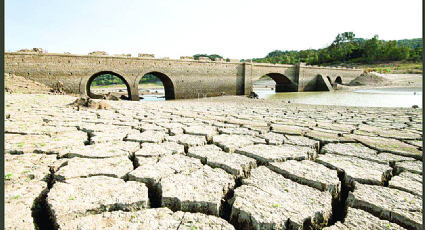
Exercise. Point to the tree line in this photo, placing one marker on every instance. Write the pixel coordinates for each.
(347, 49)
(110, 79)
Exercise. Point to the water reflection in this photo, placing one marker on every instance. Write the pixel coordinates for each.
(385, 97)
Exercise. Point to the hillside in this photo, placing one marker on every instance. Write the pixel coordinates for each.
(348, 50)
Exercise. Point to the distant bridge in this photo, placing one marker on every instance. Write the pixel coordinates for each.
(183, 78)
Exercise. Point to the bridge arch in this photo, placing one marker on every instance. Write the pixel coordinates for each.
(166, 82)
(283, 83)
(94, 76)
(338, 80)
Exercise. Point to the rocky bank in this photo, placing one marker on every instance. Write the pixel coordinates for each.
(217, 163)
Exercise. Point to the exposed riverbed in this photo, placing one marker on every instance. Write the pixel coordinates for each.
(374, 97)
(216, 163)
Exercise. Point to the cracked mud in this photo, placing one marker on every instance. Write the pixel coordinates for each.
(219, 163)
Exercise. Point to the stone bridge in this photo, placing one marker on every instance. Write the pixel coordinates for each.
(184, 78)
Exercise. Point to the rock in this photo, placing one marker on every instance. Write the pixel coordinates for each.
(288, 129)
(236, 131)
(343, 128)
(152, 219)
(160, 149)
(83, 102)
(408, 182)
(20, 144)
(188, 140)
(389, 204)
(253, 95)
(300, 141)
(173, 128)
(352, 150)
(235, 164)
(328, 136)
(111, 97)
(151, 171)
(98, 151)
(200, 191)
(143, 127)
(117, 167)
(270, 153)
(201, 130)
(273, 138)
(410, 166)
(112, 135)
(373, 130)
(146, 137)
(26, 167)
(363, 171)
(230, 143)
(23, 128)
(266, 200)
(19, 201)
(321, 178)
(359, 219)
(84, 196)
(391, 146)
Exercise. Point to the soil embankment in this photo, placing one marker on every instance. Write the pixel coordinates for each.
(18, 84)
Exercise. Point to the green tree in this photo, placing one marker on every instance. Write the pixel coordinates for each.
(342, 47)
(372, 50)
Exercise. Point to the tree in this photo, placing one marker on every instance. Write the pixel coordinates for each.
(342, 47)
(372, 50)
(346, 48)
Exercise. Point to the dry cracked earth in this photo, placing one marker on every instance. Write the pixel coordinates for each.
(220, 163)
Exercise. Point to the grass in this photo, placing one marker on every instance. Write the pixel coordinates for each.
(394, 67)
(8, 176)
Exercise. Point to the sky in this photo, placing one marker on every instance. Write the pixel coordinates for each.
(235, 29)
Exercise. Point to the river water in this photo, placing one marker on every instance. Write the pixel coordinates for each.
(379, 97)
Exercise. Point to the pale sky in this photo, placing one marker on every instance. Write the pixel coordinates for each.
(236, 29)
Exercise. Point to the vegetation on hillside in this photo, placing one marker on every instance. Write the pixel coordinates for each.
(347, 49)
(110, 79)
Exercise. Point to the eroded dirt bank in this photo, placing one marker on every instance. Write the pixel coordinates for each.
(215, 163)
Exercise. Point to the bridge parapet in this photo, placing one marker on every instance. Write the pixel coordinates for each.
(98, 53)
(140, 55)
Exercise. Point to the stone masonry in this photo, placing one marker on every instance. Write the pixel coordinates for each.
(184, 78)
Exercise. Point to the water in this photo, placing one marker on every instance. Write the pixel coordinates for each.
(379, 97)
(153, 98)
(158, 96)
